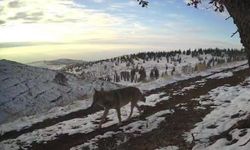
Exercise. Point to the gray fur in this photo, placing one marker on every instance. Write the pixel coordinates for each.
(115, 99)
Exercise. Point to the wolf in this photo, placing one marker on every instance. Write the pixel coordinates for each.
(115, 99)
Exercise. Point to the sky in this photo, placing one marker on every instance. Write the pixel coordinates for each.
(34, 30)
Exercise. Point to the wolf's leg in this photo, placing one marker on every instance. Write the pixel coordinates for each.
(104, 117)
(119, 115)
(131, 111)
(136, 105)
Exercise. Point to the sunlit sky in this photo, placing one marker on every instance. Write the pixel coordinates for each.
(32, 30)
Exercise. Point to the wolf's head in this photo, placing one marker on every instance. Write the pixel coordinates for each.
(96, 97)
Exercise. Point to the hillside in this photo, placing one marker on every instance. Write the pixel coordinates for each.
(209, 110)
(55, 64)
(27, 90)
(202, 104)
(144, 67)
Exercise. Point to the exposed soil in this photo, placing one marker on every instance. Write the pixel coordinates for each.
(169, 132)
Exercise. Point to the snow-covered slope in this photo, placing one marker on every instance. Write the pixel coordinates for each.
(217, 97)
(26, 90)
(168, 64)
(55, 64)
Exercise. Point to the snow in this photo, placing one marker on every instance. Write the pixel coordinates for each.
(89, 124)
(182, 106)
(221, 75)
(228, 101)
(108, 68)
(141, 126)
(168, 148)
(188, 88)
(183, 70)
(55, 112)
(223, 144)
(159, 82)
(145, 86)
(28, 100)
(75, 105)
(155, 98)
(28, 121)
(27, 90)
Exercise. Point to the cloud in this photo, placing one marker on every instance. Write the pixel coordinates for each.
(98, 1)
(48, 11)
(2, 22)
(121, 6)
(21, 44)
(87, 26)
(55, 20)
(14, 4)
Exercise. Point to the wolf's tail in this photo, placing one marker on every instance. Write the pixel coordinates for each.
(143, 99)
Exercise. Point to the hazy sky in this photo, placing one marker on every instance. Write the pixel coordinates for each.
(32, 30)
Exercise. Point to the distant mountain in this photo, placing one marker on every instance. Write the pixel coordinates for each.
(55, 64)
(27, 90)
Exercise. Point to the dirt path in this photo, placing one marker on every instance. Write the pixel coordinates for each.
(172, 130)
(169, 132)
(169, 88)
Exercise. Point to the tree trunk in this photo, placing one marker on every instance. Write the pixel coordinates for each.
(240, 12)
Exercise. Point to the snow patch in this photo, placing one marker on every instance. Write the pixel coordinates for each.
(139, 127)
(221, 75)
(168, 148)
(231, 105)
